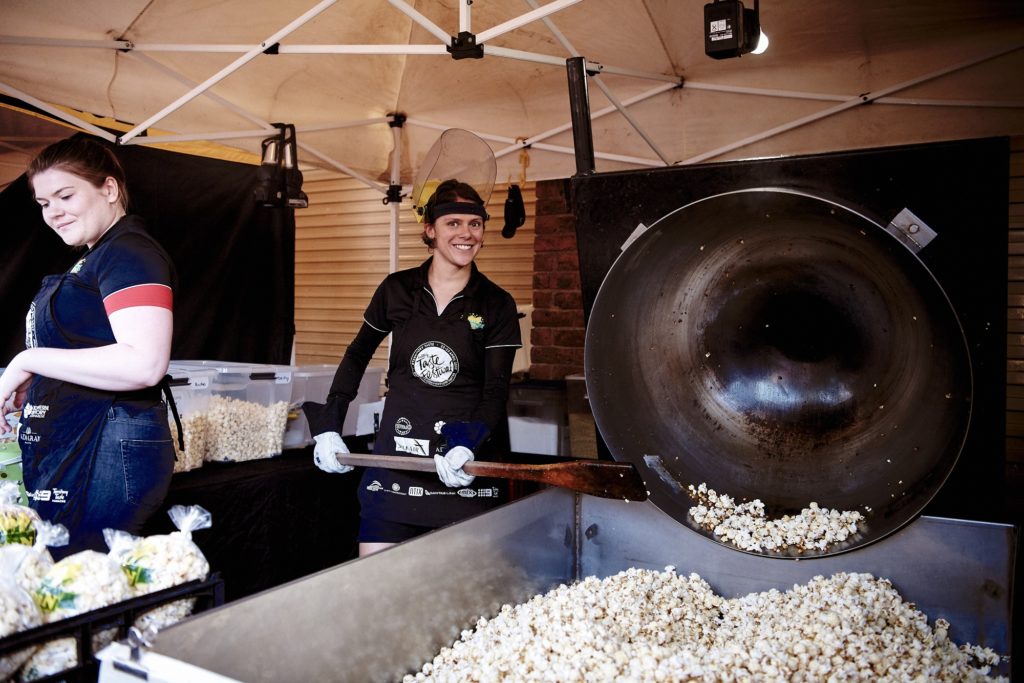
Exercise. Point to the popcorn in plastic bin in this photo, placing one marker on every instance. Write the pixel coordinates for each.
(85, 581)
(161, 561)
(17, 610)
(17, 522)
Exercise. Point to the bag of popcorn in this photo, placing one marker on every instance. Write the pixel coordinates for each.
(161, 561)
(17, 611)
(79, 583)
(30, 564)
(17, 522)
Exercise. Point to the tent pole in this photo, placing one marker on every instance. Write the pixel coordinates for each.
(228, 70)
(230, 106)
(849, 104)
(396, 180)
(465, 16)
(560, 37)
(58, 113)
(523, 20)
(579, 109)
(411, 12)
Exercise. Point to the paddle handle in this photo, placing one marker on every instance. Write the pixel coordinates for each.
(597, 478)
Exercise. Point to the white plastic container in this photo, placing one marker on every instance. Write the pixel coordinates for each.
(309, 383)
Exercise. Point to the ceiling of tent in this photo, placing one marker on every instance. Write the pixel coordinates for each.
(197, 70)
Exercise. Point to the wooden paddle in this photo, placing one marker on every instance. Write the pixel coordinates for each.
(594, 477)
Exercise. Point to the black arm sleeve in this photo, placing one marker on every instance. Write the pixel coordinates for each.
(493, 407)
(345, 386)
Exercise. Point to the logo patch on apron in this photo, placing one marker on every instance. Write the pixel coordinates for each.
(414, 446)
(435, 364)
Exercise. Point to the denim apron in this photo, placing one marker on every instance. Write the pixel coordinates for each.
(91, 459)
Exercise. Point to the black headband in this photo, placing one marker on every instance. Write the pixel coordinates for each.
(456, 207)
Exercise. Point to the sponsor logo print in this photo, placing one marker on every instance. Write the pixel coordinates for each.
(49, 495)
(27, 436)
(35, 411)
(467, 493)
(435, 364)
(413, 446)
(375, 486)
(403, 426)
(476, 321)
(416, 491)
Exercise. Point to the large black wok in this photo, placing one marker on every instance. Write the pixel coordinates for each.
(779, 346)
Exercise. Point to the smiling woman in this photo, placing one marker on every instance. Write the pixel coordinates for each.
(99, 339)
(454, 338)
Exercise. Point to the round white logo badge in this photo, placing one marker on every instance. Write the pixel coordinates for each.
(402, 426)
(435, 363)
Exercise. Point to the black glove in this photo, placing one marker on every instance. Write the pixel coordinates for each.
(325, 417)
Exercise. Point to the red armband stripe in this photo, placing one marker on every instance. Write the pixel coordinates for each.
(139, 295)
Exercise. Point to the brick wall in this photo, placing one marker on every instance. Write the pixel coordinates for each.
(558, 332)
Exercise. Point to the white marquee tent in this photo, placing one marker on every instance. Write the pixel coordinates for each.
(838, 75)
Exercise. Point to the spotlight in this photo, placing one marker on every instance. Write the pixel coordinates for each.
(279, 180)
(731, 30)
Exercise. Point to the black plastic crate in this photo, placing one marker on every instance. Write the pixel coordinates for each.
(207, 593)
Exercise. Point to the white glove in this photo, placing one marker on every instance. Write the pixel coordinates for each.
(449, 467)
(328, 445)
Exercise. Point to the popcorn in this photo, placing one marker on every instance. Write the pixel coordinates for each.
(17, 611)
(643, 625)
(17, 522)
(162, 561)
(745, 526)
(28, 565)
(239, 430)
(194, 430)
(79, 583)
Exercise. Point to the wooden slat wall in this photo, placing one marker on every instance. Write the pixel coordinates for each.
(341, 255)
(1015, 331)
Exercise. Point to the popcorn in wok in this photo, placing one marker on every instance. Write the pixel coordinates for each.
(746, 526)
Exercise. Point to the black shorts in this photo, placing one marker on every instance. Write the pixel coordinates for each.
(382, 531)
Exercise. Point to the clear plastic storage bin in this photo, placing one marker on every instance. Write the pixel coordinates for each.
(248, 409)
(191, 389)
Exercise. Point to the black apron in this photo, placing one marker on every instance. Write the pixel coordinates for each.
(60, 425)
(435, 376)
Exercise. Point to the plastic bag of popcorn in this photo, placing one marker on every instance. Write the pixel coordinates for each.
(17, 610)
(161, 561)
(79, 583)
(32, 563)
(17, 522)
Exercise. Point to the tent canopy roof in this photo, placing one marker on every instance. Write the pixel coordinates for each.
(225, 71)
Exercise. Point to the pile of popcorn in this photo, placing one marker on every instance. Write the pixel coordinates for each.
(239, 430)
(745, 525)
(193, 432)
(644, 625)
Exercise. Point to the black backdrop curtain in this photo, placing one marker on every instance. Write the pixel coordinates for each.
(235, 260)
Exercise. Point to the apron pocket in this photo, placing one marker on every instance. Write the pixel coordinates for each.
(148, 466)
